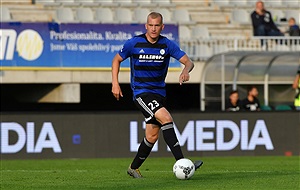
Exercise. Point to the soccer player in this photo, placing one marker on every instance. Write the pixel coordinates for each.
(251, 103)
(149, 60)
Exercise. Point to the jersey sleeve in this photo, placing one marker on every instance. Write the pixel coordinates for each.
(126, 50)
(175, 51)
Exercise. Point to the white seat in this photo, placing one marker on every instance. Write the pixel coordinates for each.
(277, 3)
(182, 16)
(238, 3)
(223, 3)
(145, 3)
(85, 15)
(140, 15)
(123, 15)
(240, 16)
(104, 15)
(291, 3)
(90, 3)
(200, 32)
(68, 2)
(65, 15)
(184, 32)
(125, 3)
(51, 3)
(164, 3)
(106, 3)
(167, 16)
(293, 13)
(5, 14)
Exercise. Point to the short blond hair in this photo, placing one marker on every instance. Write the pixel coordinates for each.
(154, 15)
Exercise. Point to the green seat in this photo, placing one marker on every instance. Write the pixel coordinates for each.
(283, 108)
(265, 108)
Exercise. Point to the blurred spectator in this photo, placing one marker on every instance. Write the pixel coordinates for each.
(262, 22)
(251, 103)
(294, 29)
(296, 86)
(233, 102)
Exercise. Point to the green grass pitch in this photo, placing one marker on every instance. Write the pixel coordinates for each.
(271, 172)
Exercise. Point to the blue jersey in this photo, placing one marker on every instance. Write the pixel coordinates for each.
(149, 63)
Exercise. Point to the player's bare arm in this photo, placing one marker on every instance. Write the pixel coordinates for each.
(116, 89)
(188, 67)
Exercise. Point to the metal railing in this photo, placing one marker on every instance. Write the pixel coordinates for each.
(202, 48)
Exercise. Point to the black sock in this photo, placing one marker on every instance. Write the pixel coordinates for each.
(143, 152)
(171, 140)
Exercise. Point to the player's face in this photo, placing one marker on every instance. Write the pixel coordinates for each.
(154, 27)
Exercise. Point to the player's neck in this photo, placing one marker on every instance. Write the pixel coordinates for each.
(151, 40)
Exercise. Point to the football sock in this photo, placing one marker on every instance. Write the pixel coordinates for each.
(143, 152)
(171, 140)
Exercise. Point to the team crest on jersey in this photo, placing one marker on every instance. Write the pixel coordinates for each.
(162, 51)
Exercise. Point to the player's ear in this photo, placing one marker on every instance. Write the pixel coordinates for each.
(146, 26)
(163, 26)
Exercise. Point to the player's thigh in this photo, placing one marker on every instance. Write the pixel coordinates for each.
(152, 132)
(163, 116)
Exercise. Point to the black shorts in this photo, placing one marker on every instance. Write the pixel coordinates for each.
(148, 104)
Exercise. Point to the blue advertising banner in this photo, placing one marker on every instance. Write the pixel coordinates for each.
(68, 46)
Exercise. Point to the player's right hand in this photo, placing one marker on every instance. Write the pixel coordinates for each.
(117, 92)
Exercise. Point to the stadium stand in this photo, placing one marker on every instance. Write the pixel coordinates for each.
(140, 14)
(240, 16)
(65, 14)
(182, 16)
(104, 15)
(200, 32)
(5, 14)
(126, 3)
(123, 15)
(85, 15)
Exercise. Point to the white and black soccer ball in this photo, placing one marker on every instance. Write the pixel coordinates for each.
(184, 168)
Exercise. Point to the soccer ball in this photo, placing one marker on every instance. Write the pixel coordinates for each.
(184, 168)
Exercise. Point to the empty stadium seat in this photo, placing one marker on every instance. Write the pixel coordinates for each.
(5, 14)
(167, 15)
(85, 15)
(126, 3)
(106, 3)
(283, 107)
(238, 3)
(200, 32)
(51, 3)
(277, 3)
(184, 32)
(91, 3)
(145, 3)
(182, 16)
(240, 16)
(123, 15)
(140, 15)
(295, 3)
(265, 108)
(164, 3)
(104, 15)
(68, 2)
(65, 15)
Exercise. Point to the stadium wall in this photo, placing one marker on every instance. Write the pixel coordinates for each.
(57, 135)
